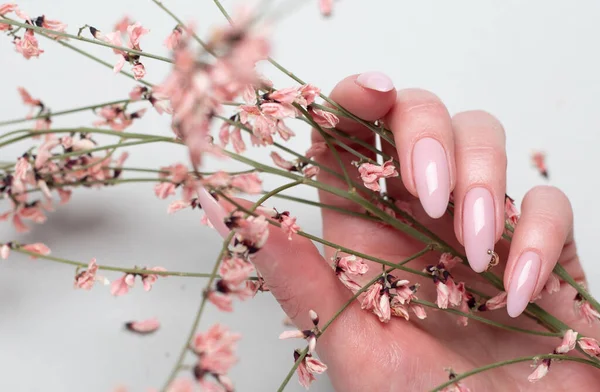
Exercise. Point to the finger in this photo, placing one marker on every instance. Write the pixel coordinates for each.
(294, 271)
(424, 139)
(368, 96)
(480, 184)
(545, 226)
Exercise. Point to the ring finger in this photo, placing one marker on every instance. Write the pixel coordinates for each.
(480, 185)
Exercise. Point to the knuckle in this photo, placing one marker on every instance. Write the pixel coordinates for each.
(478, 121)
(549, 200)
(420, 102)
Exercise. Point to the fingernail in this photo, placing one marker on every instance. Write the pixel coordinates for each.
(478, 227)
(522, 283)
(432, 176)
(213, 210)
(375, 81)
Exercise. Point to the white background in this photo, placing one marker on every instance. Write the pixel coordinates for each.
(532, 64)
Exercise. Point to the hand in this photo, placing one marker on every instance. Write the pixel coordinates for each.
(438, 154)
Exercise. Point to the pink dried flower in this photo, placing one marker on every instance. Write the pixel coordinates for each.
(139, 71)
(308, 93)
(590, 346)
(510, 210)
(37, 248)
(28, 45)
(52, 25)
(222, 301)
(138, 93)
(234, 271)
(371, 173)
(122, 24)
(122, 285)
(347, 268)
(174, 39)
(553, 284)
(149, 279)
(5, 251)
(449, 261)
(539, 161)
(285, 95)
(136, 31)
(164, 190)
(382, 307)
(568, 342)
(22, 168)
(288, 225)
(585, 309)
(178, 205)
(85, 280)
(216, 351)
(29, 101)
(316, 149)
(455, 387)
(467, 302)
(144, 327)
(278, 110)
(540, 371)
(181, 385)
(496, 302)
(282, 163)
(326, 7)
(248, 183)
(443, 295)
(307, 368)
(324, 119)
(311, 171)
(7, 8)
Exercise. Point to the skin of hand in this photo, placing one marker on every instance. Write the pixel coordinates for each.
(438, 154)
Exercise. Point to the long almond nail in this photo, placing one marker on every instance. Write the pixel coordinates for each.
(432, 176)
(214, 211)
(522, 283)
(478, 227)
(375, 81)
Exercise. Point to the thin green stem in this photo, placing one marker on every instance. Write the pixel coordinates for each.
(63, 112)
(44, 31)
(488, 321)
(561, 357)
(140, 271)
(564, 275)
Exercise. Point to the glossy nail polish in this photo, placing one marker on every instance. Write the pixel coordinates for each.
(522, 283)
(432, 176)
(375, 81)
(478, 227)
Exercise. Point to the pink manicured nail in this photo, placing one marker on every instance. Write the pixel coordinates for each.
(375, 81)
(213, 210)
(478, 227)
(522, 283)
(432, 176)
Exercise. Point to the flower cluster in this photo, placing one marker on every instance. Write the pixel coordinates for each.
(27, 44)
(122, 285)
(309, 366)
(567, 344)
(45, 170)
(215, 351)
(131, 34)
(389, 296)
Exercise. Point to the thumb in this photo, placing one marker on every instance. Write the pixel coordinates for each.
(294, 271)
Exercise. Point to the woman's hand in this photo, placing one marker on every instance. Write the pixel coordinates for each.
(438, 154)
